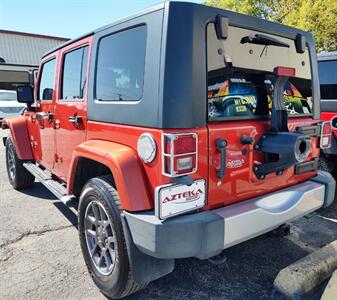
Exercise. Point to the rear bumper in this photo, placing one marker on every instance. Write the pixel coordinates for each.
(207, 233)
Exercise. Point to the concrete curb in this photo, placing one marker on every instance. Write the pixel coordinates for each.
(307, 273)
(330, 291)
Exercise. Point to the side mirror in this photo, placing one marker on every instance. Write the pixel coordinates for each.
(47, 94)
(25, 94)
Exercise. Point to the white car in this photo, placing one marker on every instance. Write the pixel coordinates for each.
(9, 106)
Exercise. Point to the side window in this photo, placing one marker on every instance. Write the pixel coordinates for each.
(74, 74)
(120, 65)
(328, 79)
(46, 86)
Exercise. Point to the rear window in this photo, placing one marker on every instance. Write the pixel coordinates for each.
(327, 71)
(120, 65)
(241, 78)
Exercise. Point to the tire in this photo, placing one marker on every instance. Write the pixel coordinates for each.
(18, 176)
(113, 275)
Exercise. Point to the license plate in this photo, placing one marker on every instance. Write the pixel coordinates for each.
(172, 200)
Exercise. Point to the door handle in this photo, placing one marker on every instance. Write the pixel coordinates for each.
(221, 145)
(48, 116)
(75, 119)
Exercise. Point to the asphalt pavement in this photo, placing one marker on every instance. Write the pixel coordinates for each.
(40, 256)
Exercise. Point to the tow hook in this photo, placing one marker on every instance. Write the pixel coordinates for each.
(219, 259)
(281, 231)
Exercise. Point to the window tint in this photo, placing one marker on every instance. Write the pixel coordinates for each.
(241, 93)
(242, 86)
(74, 74)
(120, 66)
(47, 78)
(327, 71)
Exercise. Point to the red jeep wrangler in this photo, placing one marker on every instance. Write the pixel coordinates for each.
(181, 131)
(327, 71)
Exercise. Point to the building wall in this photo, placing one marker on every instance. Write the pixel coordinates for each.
(24, 48)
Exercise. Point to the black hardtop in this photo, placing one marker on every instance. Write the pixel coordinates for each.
(176, 55)
(119, 21)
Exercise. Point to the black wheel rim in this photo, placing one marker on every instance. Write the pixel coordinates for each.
(100, 238)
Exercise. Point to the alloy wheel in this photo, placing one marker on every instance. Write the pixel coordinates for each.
(100, 238)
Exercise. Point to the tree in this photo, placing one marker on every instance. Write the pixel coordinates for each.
(316, 16)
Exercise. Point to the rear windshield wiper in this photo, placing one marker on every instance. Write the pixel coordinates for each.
(261, 39)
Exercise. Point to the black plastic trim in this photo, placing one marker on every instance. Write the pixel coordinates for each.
(314, 130)
(307, 166)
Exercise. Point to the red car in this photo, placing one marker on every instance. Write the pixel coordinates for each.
(327, 71)
(136, 125)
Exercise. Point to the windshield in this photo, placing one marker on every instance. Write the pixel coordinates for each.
(241, 79)
(8, 95)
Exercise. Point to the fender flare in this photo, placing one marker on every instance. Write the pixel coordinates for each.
(124, 165)
(19, 133)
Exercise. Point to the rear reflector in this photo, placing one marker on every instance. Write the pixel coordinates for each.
(325, 135)
(179, 154)
(185, 163)
(285, 71)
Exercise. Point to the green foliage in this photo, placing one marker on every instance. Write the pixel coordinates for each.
(316, 16)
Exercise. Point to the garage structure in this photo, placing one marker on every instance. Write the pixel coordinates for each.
(20, 54)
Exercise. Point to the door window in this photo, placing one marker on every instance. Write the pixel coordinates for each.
(120, 66)
(74, 74)
(46, 87)
(328, 79)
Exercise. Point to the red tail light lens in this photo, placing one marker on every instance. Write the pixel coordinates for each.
(325, 135)
(182, 144)
(179, 154)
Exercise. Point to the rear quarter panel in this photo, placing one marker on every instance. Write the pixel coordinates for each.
(128, 135)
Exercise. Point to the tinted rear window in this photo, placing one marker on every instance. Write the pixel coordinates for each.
(327, 71)
(242, 93)
(120, 65)
(241, 76)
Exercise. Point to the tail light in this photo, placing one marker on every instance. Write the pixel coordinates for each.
(179, 152)
(325, 135)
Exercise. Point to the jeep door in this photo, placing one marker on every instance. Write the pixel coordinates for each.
(70, 108)
(42, 123)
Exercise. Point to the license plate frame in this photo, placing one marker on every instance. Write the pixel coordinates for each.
(176, 199)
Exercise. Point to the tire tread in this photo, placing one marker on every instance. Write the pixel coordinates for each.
(131, 286)
(23, 178)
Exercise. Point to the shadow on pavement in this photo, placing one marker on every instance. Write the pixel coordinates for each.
(37, 190)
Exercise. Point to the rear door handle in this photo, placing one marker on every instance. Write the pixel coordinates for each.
(48, 116)
(221, 145)
(75, 119)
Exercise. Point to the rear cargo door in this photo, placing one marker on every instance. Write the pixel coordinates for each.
(240, 85)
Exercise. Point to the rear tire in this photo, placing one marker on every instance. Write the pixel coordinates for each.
(18, 176)
(101, 235)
